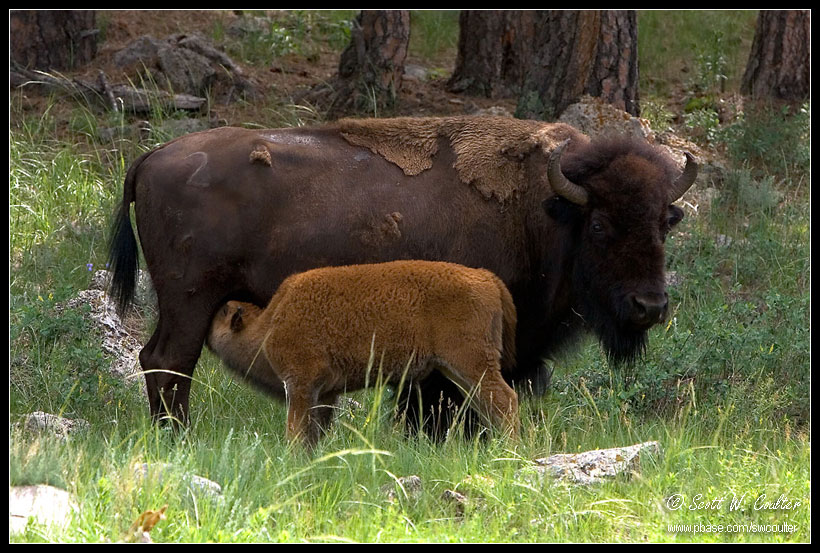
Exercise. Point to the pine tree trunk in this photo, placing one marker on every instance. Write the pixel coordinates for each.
(518, 46)
(52, 39)
(614, 75)
(493, 48)
(780, 59)
(371, 67)
(581, 52)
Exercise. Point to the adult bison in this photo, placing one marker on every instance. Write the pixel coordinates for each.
(574, 227)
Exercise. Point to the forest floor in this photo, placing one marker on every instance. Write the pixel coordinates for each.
(284, 77)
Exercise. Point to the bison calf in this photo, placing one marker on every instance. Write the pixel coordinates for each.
(319, 329)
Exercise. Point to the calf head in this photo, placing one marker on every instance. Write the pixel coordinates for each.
(232, 336)
(616, 195)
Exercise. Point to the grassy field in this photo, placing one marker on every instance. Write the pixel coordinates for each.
(724, 387)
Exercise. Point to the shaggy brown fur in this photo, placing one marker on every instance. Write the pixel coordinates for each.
(322, 327)
(489, 150)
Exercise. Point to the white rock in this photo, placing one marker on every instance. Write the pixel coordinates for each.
(591, 467)
(160, 471)
(594, 117)
(45, 504)
(409, 487)
(118, 339)
(61, 427)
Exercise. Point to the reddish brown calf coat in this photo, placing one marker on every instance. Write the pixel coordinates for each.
(319, 330)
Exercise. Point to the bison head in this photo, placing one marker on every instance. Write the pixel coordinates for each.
(616, 196)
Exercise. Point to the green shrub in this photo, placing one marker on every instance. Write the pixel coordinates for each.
(778, 140)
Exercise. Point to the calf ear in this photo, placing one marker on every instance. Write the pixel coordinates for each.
(675, 215)
(237, 323)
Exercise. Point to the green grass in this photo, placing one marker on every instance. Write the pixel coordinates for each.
(267, 37)
(272, 492)
(433, 35)
(694, 48)
(724, 387)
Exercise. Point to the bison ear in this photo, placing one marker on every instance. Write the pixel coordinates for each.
(237, 323)
(675, 215)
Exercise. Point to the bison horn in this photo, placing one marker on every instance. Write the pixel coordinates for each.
(685, 180)
(560, 184)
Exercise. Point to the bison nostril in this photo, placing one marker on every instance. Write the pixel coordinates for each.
(638, 308)
(648, 309)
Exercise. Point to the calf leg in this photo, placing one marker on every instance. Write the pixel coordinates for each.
(496, 400)
(303, 419)
(491, 397)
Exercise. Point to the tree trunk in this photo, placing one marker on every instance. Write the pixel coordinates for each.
(578, 53)
(493, 47)
(52, 39)
(778, 66)
(371, 67)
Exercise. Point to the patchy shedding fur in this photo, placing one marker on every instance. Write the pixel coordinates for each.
(380, 231)
(261, 154)
(489, 150)
(322, 327)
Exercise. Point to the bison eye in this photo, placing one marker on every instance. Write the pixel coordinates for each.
(597, 228)
(675, 215)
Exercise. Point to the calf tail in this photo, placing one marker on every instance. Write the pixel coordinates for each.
(123, 253)
(509, 324)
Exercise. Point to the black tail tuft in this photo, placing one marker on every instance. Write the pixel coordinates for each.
(123, 260)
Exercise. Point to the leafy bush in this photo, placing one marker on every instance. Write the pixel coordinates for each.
(57, 364)
(776, 139)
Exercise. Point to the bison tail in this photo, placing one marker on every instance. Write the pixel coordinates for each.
(508, 332)
(123, 260)
(123, 254)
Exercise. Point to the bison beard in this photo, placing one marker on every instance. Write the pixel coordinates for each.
(621, 343)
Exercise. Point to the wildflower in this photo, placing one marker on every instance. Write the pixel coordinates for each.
(89, 266)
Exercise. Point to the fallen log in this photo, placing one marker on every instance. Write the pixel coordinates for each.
(118, 97)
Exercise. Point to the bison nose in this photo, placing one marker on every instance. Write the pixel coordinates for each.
(649, 309)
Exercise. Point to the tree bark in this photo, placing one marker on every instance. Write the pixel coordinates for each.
(371, 67)
(780, 59)
(578, 53)
(493, 47)
(52, 39)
